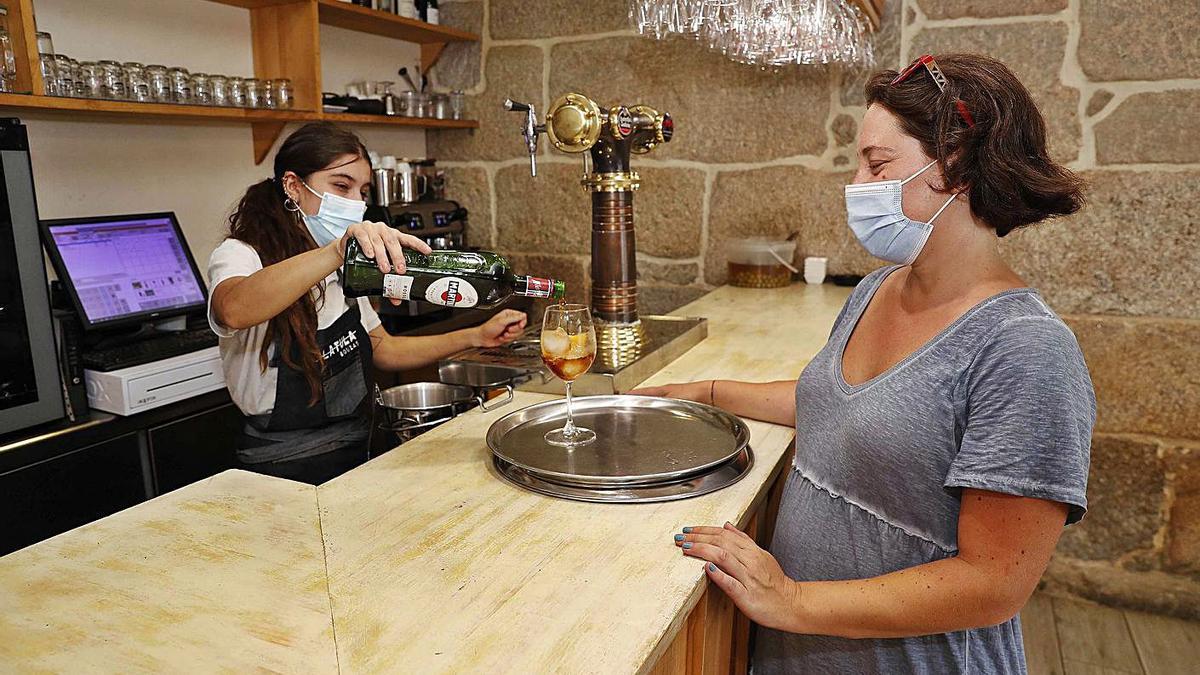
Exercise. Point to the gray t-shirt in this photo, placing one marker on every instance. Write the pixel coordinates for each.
(1000, 400)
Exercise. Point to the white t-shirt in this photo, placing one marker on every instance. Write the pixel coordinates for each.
(252, 389)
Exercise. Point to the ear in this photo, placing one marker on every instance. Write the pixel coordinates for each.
(292, 186)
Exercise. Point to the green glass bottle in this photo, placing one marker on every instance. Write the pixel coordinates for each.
(459, 279)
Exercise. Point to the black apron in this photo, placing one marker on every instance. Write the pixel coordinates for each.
(294, 429)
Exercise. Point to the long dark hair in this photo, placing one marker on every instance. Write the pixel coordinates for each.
(263, 220)
(1002, 160)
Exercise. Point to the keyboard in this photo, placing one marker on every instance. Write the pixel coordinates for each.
(152, 349)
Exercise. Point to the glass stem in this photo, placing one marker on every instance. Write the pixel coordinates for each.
(569, 429)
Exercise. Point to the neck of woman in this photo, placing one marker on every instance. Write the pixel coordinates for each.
(960, 262)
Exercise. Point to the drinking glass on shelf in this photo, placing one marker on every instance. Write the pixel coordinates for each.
(115, 87)
(49, 73)
(135, 80)
(91, 77)
(181, 85)
(255, 96)
(66, 80)
(201, 89)
(8, 61)
(237, 92)
(45, 44)
(158, 81)
(285, 97)
(81, 90)
(458, 105)
(219, 87)
(568, 350)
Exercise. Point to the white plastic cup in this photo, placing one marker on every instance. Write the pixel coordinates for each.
(814, 269)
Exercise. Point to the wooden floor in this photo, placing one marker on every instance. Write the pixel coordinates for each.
(1071, 637)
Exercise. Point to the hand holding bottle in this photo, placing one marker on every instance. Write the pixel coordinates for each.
(383, 243)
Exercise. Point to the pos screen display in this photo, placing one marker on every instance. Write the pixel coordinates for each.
(125, 269)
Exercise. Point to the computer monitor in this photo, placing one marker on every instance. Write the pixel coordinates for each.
(121, 270)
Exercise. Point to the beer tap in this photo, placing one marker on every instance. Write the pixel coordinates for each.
(577, 124)
(530, 130)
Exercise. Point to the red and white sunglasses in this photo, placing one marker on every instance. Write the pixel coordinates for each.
(939, 79)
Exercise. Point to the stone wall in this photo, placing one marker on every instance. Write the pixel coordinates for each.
(768, 153)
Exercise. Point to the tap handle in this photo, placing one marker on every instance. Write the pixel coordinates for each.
(530, 130)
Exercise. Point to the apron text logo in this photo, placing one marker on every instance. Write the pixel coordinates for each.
(343, 346)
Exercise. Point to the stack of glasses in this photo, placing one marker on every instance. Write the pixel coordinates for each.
(64, 76)
(765, 33)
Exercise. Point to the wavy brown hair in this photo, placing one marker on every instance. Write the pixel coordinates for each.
(263, 221)
(1001, 161)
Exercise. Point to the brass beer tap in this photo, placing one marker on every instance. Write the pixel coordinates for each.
(576, 124)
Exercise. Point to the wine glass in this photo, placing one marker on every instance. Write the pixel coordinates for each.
(568, 350)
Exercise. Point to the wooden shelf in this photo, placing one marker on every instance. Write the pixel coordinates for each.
(161, 111)
(364, 20)
(285, 37)
(348, 118)
(167, 111)
(253, 4)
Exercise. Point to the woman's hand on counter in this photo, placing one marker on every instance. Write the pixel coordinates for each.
(750, 576)
(700, 392)
(383, 243)
(501, 329)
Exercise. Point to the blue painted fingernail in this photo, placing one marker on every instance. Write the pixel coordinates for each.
(687, 530)
(687, 544)
(712, 567)
(679, 537)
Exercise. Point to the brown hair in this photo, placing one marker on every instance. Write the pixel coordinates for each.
(264, 221)
(1001, 161)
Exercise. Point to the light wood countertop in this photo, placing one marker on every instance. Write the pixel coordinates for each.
(425, 559)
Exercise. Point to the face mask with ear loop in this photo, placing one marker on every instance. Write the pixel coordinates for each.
(334, 217)
(875, 216)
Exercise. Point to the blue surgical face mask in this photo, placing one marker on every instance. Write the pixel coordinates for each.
(334, 217)
(877, 219)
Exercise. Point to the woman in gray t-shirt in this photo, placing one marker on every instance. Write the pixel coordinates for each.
(943, 433)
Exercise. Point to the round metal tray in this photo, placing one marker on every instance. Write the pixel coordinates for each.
(714, 479)
(639, 441)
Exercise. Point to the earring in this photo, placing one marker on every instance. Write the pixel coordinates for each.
(291, 205)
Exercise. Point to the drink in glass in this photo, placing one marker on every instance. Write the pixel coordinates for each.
(568, 350)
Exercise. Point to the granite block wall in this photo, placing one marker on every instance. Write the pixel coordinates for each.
(760, 152)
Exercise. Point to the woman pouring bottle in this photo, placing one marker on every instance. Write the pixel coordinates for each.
(297, 353)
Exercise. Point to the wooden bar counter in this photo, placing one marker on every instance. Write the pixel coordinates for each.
(420, 561)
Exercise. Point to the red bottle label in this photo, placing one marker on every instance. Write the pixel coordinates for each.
(538, 288)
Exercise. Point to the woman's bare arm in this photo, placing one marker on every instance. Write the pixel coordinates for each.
(767, 401)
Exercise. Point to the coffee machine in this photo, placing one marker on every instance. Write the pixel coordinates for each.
(411, 195)
(630, 346)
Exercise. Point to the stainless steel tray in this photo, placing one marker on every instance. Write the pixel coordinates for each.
(639, 441)
(714, 479)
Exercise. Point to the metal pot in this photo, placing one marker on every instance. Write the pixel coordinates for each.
(483, 379)
(413, 408)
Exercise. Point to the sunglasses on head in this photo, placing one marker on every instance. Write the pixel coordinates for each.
(927, 61)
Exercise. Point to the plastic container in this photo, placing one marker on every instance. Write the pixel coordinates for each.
(761, 262)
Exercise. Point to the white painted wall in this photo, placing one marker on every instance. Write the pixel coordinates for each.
(85, 166)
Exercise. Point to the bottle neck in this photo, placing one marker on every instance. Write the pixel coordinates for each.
(536, 287)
